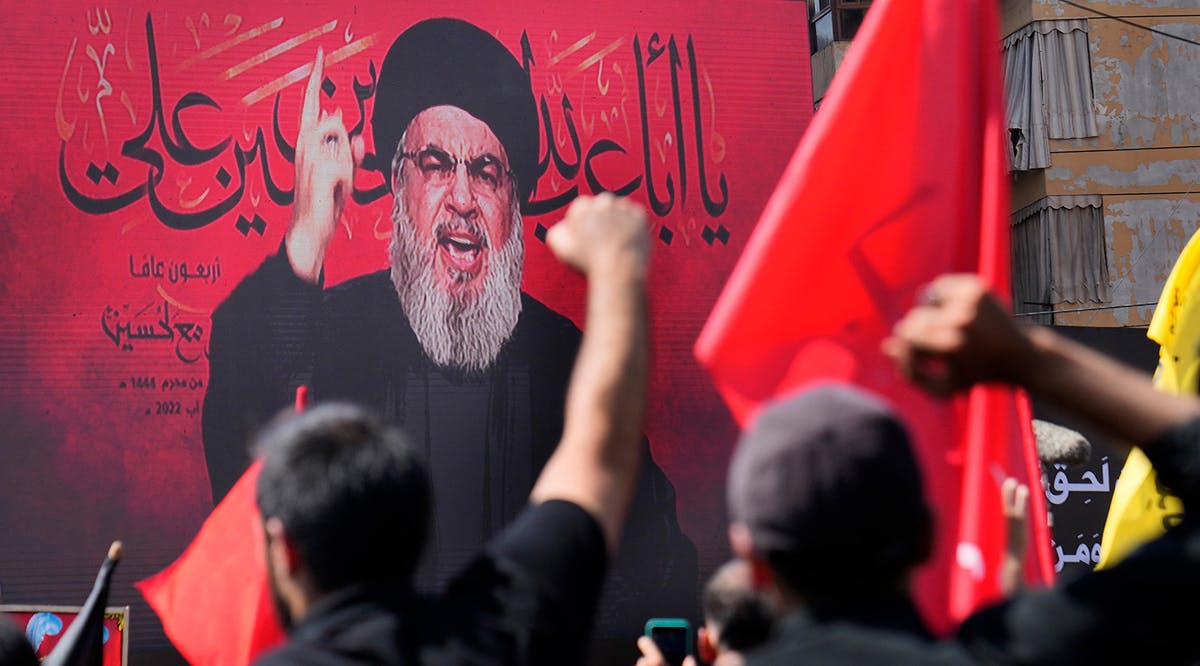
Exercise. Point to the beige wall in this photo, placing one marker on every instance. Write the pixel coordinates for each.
(1014, 14)
(1053, 9)
(1146, 161)
(1145, 233)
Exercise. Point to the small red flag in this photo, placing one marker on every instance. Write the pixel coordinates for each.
(214, 601)
(901, 176)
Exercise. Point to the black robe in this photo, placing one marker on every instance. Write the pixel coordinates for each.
(485, 435)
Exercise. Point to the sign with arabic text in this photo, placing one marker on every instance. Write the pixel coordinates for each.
(149, 168)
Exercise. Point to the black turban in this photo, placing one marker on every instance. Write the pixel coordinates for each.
(451, 62)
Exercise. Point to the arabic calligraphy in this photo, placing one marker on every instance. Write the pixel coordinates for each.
(682, 164)
(182, 151)
(154, 323)
(1060, 488)
(164, 384)
(173, 408)
(167, 384)
(1086, 554)
(568, 167)
(174, 271)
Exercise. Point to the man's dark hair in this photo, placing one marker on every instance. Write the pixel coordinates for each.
(351, 494)
(825, 582)
(738, 613)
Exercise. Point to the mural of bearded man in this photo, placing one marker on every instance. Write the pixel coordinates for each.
(445, 343)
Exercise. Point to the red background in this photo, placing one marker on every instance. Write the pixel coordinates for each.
(85, 457)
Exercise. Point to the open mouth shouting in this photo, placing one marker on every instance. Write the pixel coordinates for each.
(461, 251)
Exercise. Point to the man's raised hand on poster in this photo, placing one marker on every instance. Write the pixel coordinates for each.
(326, 157)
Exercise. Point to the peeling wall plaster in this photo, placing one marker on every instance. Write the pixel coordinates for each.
(1144, 237)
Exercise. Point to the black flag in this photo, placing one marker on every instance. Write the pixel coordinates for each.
(82, 644)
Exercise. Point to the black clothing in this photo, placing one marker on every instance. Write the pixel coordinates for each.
(882, 631)
(15, 649)
(486, 435)
(526, 599)
(1139, 611)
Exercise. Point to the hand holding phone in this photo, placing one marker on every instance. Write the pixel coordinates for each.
(670, 642)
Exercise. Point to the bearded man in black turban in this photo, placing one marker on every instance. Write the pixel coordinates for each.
(444, 343)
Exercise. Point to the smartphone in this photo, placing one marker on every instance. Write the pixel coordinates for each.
(673, 636)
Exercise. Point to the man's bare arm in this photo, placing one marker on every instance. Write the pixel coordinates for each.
(596, 462)
(962, 336)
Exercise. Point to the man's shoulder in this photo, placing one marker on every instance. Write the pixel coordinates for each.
(532, 592)
(361, 309)
(294, 653)
(289, 653)
(332, 654)
(358, 625)
(364, 288)
(546, 327)
(846, 643)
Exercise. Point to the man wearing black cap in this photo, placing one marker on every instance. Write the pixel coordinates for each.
(826, 506)
(444, 343)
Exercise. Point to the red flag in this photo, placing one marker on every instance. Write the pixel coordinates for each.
(301, 398)
(901, 176)
(214, 601)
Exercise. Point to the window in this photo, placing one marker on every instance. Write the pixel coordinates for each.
(1059, 255)
(834, 21)
(1048, 89)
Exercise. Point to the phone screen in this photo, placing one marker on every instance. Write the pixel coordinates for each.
(672, 643)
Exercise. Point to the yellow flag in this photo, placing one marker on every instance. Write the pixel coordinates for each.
(1141, 508)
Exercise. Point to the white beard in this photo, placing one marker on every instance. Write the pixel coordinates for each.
(464, 330)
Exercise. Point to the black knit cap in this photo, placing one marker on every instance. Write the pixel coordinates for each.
(827, 478)
(450, 62)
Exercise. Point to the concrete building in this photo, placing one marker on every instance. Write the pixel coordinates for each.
(1104, 112)
(1104, 118)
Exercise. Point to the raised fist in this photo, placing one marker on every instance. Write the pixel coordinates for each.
(599, 230)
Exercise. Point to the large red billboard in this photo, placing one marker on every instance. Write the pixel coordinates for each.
(149, 171)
